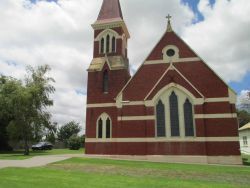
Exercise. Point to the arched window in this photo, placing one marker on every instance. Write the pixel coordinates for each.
(107, 43)
(102, 45)
(174, 115)
(104, 127)
(113, 44)
(188, 118)
(105, 81)
(100, 123)
(108, 128)
(160, 119)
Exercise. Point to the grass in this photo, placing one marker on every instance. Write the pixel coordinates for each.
(88, 173)
(18, 155)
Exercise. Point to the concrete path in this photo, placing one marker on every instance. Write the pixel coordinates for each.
(36, 161)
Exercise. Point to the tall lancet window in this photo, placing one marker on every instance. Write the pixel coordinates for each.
(105, 81)
(108, 128)
(107, 43)
(160, 119)
(188, 117)
(113, 44)
(100, 128)
(102, 45)
(174, 115)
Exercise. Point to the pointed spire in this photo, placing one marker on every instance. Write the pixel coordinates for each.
(169, 27)
(111, 9)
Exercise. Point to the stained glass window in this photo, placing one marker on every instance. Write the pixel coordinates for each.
(188, 117)
(160, 113)
(174, 115)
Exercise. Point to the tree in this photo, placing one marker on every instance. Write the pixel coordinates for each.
(27, 102)
(243, 117)
(50, 132)
(68, 130)
(75, 142)
(7, 85)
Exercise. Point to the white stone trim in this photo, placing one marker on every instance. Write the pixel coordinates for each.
(214, 116)
(135, 118)
(166, 139)
(106, 32)
(223, 99)
(101, 105)
(111, 23)
(196, 116)
(150, 103)
(174, 85)
(134, 103)
(173, 58)
(179, 60)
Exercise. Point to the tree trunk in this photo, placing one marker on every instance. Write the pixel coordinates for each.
(26, 147)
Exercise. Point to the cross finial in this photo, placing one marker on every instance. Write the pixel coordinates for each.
(169, 17)
(169, 28)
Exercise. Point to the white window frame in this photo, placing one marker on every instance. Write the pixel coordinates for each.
(103, 117)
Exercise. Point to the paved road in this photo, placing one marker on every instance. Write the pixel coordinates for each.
(35, 161)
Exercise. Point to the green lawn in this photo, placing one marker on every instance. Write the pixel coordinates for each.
(89, 173)
(18, 155)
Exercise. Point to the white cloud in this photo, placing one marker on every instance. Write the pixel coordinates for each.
(223, 39)
(244, 97)
(60, 35)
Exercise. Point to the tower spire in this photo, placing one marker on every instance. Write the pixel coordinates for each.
(111, 9)
(169, 27)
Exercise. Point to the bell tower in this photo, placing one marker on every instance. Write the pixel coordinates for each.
(109, 70)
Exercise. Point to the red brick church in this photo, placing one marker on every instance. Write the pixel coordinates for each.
(175, 107)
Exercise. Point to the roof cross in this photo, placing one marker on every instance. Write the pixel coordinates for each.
(169, 28)
(169, 17)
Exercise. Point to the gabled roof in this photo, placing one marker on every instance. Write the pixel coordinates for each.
(111, 9)
(191, 71)
(247, 126)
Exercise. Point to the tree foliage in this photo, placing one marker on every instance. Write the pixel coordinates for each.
(75, 142)
(68, 130)
(25, 104)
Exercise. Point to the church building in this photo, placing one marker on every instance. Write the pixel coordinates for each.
(174, 108)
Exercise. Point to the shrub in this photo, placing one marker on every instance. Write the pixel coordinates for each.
(74, 142)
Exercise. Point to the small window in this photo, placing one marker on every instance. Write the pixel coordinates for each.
(100, 128)
(113, 44)
(170, 53)
(245, 143)
(107, 43)
(105, 81)
(102, 45)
